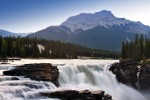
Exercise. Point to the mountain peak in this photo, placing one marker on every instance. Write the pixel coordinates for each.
(88, 20)
(104, 18)
(104, 12)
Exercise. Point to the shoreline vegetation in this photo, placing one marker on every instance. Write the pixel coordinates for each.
(18, 47)
(138, 50)
(135, 59)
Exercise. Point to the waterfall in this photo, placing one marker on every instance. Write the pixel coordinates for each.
(23, 89)
(20, 88)
(95, 77)
(73, 75)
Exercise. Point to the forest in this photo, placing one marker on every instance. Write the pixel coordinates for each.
(25, 47)
(138, 49)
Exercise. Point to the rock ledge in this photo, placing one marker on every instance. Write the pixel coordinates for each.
(78, 95)
(39, 72)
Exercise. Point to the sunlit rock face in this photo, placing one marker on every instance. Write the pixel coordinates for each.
(103, 18)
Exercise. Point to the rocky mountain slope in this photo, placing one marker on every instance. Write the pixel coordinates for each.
(103, 18)
(61, 33)
(100, 30)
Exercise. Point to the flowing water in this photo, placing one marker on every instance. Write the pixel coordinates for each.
(74, 74)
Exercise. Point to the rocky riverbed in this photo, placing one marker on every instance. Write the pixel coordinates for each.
(126, 72)
(144, 77)
(47, 72)
(83, 80)
(78, 95)
(39, 72)
(130, 73)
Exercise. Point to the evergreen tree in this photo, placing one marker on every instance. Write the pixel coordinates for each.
(137, 50)
(28, 47)
(4, 48)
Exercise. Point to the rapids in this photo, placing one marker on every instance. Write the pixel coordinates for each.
(74, 74)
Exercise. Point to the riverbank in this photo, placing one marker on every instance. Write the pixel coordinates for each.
(133, 73)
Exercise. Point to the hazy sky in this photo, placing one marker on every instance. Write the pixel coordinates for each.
(33, 15)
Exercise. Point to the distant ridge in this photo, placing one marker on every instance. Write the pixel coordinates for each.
(5, 33)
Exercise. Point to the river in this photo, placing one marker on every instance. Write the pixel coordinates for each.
(75, 74)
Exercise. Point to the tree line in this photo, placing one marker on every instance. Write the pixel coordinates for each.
(34, 48)
(138, 49)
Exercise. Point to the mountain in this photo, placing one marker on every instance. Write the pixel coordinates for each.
(61, 33)
(100, 30)
(22, 34)
(5, 33)
(103, 18)
(104, 38)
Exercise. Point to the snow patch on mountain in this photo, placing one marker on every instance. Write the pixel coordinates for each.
(105, 18)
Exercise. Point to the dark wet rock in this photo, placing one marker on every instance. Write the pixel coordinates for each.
(39, 72)
(126, 72)
(5, 63)
(107, 97)
(15, 78)
(32, 85)
(9, 59)
(5, 60)
(144, 77)
(78, 95)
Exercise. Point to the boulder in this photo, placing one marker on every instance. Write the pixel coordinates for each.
(39, 72)
(144, 77)
(126, 72)
(78, 95)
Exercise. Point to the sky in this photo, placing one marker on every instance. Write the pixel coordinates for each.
(27, 16)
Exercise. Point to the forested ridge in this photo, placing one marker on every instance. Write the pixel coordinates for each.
(29, 48)
(138, 49)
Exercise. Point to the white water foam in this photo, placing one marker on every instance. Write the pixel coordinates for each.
(96, 77)
(74, 74)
